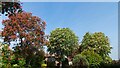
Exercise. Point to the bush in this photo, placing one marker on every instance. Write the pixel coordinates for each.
(93, 58)
(80, 61)
(8, 59)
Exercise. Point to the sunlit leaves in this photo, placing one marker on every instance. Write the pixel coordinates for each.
(28, 33)
(23, 25)
(93, 58)
(97, 42)
(8, 58)
(62, 41)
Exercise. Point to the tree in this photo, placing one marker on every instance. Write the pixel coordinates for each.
(28, 33)
(62, 41)
(98, 42)
(5, 55)
(8, 59)
(24, 27)
(11, 7)
(34, 56)
(93, 58)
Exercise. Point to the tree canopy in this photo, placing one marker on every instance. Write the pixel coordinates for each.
(63, 41)
(25, 27)
(97, 42)
(27, 32)
(9, 8)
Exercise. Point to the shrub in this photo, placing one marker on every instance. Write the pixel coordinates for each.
(93, 58)
(80, 61)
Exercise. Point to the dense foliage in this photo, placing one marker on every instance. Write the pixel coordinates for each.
(11, 7)
(27, 32)
(97, 42)
(62, 41)
(34, 56)
(26, 28)
(93, 58)
(8, 58)
(80, 61)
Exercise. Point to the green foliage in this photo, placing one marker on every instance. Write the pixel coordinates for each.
(107, 60)
(8, 58)
(34, 56)
(5, 55)
(80, 60)
(97, 42)
(62, 41)
(93, 58)
(17, 62)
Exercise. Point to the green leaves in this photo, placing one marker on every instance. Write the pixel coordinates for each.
(62, 40)
(80, 60)
(97, 42)
(8, 58)
(93, 58)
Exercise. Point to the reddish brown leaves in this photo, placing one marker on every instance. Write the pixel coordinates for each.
(24, 25)
(13, 37)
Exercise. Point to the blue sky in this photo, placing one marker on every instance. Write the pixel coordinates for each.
(81, 17)
(69, 0)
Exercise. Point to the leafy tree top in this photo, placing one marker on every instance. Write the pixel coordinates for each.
(27, 31)
(96, 41)
(24, 27)
(11, 7)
